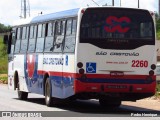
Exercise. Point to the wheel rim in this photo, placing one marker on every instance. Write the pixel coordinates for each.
(47, 93)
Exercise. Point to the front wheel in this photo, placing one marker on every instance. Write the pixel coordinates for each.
(22, 95)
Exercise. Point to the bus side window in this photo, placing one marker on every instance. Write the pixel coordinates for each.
(59, 36)
(69, 45)
(50, 37)
(18, 40)
(13, 40)
(32, 38)
(74, 26)
(40, 38)
(24, 42)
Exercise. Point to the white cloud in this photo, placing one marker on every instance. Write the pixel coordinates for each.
(10, 9)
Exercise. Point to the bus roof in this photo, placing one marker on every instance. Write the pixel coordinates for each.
(57, 15)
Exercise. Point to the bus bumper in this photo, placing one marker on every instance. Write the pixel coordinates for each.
(130, 90)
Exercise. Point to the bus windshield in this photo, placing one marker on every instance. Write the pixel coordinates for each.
(110, 28)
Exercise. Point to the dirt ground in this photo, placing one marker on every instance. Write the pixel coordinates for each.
(148, 103)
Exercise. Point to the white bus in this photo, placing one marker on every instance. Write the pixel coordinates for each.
(103, 53)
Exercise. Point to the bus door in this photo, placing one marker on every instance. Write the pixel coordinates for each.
(10, 60)
(69, 57)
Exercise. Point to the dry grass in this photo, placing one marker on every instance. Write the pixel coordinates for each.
(3, 79)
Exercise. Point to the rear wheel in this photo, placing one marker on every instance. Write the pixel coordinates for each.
(21, 95)
(111, 103)
(48, 93)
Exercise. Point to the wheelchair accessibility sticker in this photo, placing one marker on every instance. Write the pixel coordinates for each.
(90, 67)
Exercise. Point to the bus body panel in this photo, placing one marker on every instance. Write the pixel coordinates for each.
(59, 67)
(115, 60)
(122, 66)
(20, 69)
(61, 73)
(115, 71)
(11, 83)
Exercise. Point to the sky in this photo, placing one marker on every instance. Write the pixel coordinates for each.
(10, 10)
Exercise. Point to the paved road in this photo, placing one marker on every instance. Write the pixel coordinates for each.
(9, 102)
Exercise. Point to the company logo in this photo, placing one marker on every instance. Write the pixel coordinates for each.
(117, 24)
(101, 53)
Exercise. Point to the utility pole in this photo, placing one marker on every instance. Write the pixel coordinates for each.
(159, 8)
(112, 2)
(25, 9)
(95, 2)
(138, 3)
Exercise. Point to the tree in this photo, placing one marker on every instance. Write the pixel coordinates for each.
(157, 16)
(4, 28)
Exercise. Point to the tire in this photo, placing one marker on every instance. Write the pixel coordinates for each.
(22, 95)
(48, 93)
(110, 103)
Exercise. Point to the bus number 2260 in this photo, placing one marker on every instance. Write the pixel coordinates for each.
(139, 63)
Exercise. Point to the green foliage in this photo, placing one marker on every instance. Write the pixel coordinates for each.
(158, 87)
(3, 57)
(158, 29)
(4, 28)
(157, 95)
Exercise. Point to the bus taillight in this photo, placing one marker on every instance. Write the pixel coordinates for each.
(82, 11)
(151, 72)
(152, 14)
(79, 65)
(81, 71)
(153, 66)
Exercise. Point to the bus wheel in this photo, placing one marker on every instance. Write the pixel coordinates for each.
(48, 93)
(22, 95)
(111, 103)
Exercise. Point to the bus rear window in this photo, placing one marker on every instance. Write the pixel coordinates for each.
(129, 27)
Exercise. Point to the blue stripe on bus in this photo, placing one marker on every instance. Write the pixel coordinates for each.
(117, 81)
(67, 80)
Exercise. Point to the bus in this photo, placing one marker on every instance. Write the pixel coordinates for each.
(103, 53)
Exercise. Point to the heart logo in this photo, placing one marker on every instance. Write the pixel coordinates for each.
(31, 65)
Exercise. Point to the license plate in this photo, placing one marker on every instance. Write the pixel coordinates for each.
(117, 86)
(116, 74)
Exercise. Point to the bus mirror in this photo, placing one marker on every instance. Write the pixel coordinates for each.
(5, 39)
(9, 44)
